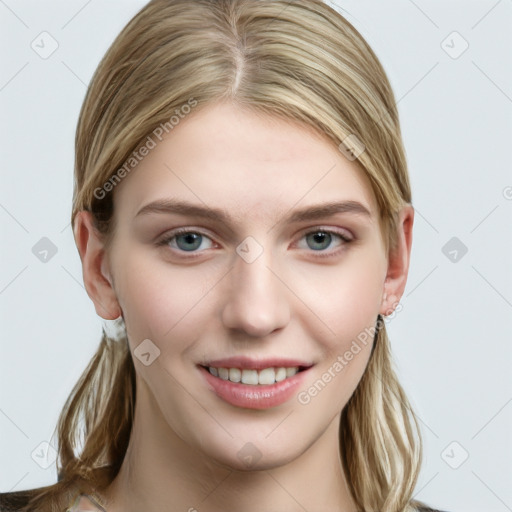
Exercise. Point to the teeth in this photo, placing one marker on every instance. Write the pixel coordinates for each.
(250, 377)
(280, 374)
(235, 375)
(266, 376)
(224, 373)
(290, 372)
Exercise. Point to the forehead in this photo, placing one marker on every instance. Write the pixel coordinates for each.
(224, 156)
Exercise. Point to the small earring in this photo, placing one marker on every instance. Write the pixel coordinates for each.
(393, 303)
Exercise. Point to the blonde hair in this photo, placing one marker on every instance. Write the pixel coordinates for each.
(303, 62)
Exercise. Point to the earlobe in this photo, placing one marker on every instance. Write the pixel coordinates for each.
(398, 263)
(95, 267)
(389, 304)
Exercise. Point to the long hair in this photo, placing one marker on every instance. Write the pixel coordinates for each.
(301, 61)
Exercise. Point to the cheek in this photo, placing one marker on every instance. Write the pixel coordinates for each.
(344, 298)
(159, 302)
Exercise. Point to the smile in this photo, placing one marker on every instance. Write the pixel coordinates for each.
(253, 388)
(265, 376)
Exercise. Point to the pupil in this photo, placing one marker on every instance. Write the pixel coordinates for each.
(189, 238)
(324, 239)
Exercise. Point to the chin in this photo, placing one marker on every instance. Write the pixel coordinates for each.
(253, 454)
(251, 459)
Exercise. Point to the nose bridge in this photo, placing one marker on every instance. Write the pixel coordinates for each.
(256, 301)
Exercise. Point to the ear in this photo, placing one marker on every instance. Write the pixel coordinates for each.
(398, 262)
(95, 267)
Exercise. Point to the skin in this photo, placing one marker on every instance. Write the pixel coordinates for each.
(211, 303)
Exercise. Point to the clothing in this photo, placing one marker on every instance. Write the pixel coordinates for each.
(14, 501)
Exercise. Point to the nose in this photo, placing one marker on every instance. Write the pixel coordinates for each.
(256, 301)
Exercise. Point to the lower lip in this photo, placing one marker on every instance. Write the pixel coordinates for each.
(254, 396)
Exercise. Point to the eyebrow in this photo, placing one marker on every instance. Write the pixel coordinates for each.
(314, 212)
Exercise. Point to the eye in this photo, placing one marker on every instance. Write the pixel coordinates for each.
(321, 239)
(187, 241)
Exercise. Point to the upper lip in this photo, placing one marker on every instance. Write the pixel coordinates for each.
(257, 364)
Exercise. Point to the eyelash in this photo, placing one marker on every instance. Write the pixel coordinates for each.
(319, 254)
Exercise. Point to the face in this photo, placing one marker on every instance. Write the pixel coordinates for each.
(247, 243)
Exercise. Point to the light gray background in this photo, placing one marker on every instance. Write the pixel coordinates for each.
(451, 341)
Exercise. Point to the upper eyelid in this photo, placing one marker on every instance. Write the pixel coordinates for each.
(343, 233)
(346, 238)
(184, 230)
(170, 235)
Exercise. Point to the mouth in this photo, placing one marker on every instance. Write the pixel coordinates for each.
(253, 385)
(255, 377)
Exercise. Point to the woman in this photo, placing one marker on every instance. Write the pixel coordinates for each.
(242, 210)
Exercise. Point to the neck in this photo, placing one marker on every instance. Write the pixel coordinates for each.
(162, 472)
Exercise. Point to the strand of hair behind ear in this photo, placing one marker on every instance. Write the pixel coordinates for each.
(380, 441)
